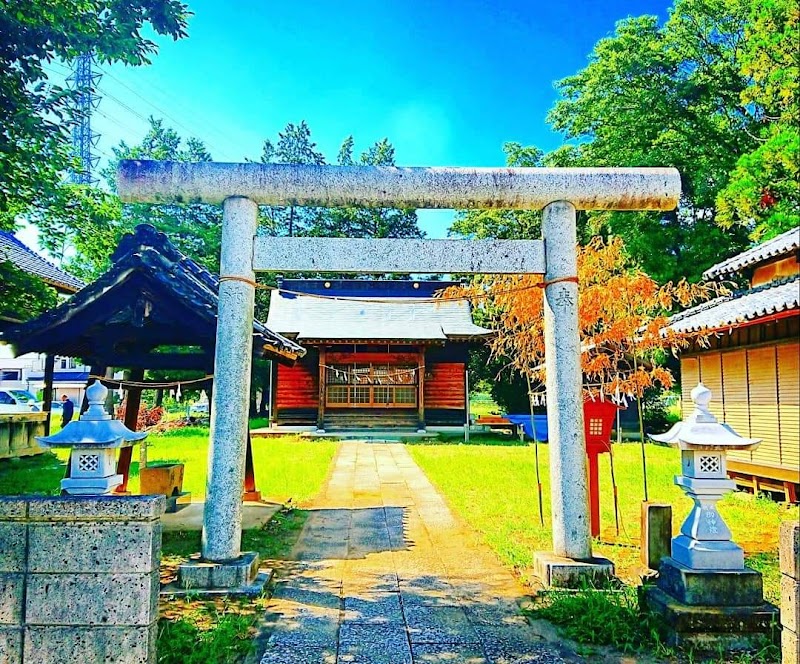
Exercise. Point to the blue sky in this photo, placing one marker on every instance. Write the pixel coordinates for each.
(447, 82)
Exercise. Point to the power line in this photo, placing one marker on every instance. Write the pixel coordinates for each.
(161, 111)
(186, 110)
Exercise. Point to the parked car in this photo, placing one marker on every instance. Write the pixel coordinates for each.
(18, 401)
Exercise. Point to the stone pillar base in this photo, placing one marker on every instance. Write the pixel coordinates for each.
(559, 572)
(240, 576)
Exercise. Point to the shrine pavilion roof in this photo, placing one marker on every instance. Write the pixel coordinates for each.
(369, 310)
(20, 255)
(149, 307)
(741, 308)
(781, 245)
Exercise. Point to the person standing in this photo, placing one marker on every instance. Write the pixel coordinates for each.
(68, 410)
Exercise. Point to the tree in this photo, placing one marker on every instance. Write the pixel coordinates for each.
(23, 295)
(762, 193)
(294, 146)
(368, 222)
(666, 96)
(621, 318)
(196, 229)
(36, 116)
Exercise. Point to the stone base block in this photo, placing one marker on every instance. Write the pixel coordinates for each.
(714, 555)
(10, 644)
(714, 628)
(178, 502)
(790, 647)
(121, 645)
(741, 587)
(240, 576)
(559, 572)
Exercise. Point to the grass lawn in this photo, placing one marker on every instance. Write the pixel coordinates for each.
(287, 468)
(492, 485)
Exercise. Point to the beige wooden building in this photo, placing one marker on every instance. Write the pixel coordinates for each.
(752, 361)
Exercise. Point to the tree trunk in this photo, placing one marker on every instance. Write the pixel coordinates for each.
(159, 397)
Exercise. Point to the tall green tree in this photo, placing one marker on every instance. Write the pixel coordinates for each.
(369, 222)
(762, 193)
(293, 146)
(36, 116)
(88, 234)
(666, 96)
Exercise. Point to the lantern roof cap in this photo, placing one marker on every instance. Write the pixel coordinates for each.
(94, 429)
(702, 431)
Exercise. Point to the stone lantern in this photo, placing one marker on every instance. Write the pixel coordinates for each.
(94, 439)
(705, 594)
(705, 540)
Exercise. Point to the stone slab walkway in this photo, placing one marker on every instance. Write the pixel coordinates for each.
(383, 573)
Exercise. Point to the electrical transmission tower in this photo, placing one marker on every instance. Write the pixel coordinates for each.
(84, 80)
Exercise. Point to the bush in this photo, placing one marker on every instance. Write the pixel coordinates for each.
(148, 417)
(600, 617)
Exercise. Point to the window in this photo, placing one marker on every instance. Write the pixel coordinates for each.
(10, 374)
(371, 385)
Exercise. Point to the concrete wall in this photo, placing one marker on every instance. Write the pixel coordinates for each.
(79, 579)
(17, 435)
(790, 591)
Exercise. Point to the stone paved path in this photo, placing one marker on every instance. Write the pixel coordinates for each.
(384, 574)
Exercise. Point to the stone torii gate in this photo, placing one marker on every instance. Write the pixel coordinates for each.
(241, 188)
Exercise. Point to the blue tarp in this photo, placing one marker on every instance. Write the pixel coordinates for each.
(540, 421)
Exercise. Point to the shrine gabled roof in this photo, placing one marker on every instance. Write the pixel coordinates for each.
(782, 245)
(23, 257)
(151, 295)
(737, 309)
(362, 310)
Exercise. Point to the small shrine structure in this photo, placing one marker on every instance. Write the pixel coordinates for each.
(154, 308)
(381, 354)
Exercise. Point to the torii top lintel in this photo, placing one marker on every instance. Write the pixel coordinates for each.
(380, 186)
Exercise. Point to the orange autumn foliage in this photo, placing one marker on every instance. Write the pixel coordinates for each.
(622, 316)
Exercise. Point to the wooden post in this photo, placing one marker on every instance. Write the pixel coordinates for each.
(466, 405)
(594, 494)
(321, 398)
(133, 401)
(656, 533)
(47, 397)
(250, 492)
(421, 388)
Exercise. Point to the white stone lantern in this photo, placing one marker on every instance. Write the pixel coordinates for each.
(94, 439)
(705, 540)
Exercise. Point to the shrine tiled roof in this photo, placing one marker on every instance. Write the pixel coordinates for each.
(27, 260)
(361, 310)
(152, 295)
(740, 308)
(782, 245)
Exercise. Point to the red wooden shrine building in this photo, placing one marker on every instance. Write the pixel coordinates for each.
(380, 354)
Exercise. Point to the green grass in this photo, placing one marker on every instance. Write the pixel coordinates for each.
(288, 469)
(480, 404)
(493, 488)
